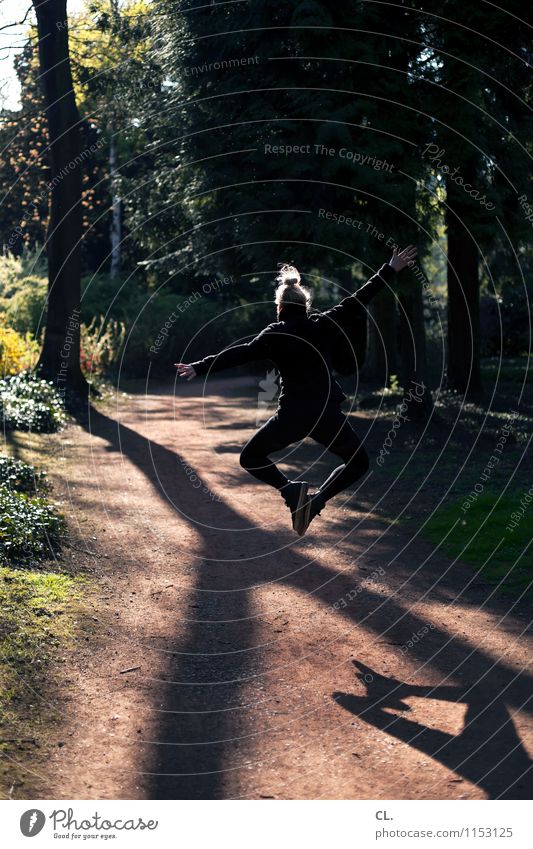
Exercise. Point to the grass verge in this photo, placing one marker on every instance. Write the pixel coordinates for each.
(482, 538)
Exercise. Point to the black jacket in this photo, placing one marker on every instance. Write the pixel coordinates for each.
(300, 346)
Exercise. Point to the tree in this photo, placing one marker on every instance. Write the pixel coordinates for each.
(60, 356)
(116, 80)
(477, 63)
(287, 108)
(24, 173)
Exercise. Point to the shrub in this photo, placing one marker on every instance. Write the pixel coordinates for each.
(101, 345)
(134, 317)
(26, 307)
(17, 352)
(13, 269)
(20, 476)
(30, 529)
(29, 403)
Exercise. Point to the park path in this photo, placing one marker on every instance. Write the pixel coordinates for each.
(263, 665)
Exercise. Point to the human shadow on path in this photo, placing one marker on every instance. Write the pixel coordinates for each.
(203, 718)
(487, 751)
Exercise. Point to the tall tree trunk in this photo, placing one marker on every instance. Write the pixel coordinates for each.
(463, 371)
(60, 356)
(115, 231)
(381, 359)
(412, 347)
(411, 335)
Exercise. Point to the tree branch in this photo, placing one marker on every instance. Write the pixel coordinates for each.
(17, 23)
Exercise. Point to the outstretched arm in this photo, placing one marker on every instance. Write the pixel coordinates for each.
(257, 349)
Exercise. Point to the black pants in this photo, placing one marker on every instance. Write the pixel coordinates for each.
(326, 425)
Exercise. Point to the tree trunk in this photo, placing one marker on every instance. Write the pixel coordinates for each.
(115, 232)
(408, 333)
(412, 347)
(60, 356)
(463, 372)
(381, 359)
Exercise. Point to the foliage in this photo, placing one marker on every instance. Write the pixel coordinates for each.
(29, 403)
(25, 176)
(25, 310)
(475, 77)
(13, 268)
(505, 306)
(101, 345)
(34, 616)
(112, 72)
(191, 99)
(24, 173)
(30, 529)
(17, 352)
(20, 476)
(265, 205)
(116, 78)
(37, 615)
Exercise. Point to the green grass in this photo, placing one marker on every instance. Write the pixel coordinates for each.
(492, 521)
(37, 619)
(41, 603)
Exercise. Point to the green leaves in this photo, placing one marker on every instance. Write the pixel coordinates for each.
(29, 403)
(20, 476)
(30, 529)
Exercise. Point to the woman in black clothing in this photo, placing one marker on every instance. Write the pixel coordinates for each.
(300, 344)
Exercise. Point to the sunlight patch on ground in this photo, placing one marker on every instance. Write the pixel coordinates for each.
(437, 714)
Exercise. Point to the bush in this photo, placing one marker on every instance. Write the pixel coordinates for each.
(30, 529)
(20, 476)
(26, 307)
(134, 319)
(29, 403)
(14, 268)
(17, 352)
(101, 346)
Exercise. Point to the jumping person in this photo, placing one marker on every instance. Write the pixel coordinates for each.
(300, 344)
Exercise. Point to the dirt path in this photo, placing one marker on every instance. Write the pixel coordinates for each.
(265, 666)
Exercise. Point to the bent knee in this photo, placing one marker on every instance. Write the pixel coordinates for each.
(244, 459)
(248, 459)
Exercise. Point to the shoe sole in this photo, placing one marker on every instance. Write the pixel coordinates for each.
(300, 517)
(308, 516)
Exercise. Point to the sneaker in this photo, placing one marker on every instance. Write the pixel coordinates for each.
(294, 494)
(315, 505)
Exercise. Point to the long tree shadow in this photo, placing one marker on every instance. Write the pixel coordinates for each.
(203, 718)
(487, 751)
